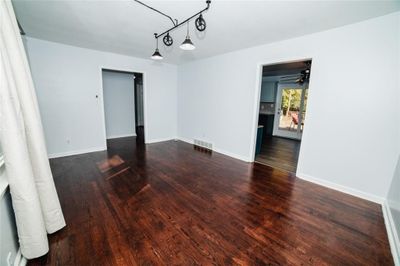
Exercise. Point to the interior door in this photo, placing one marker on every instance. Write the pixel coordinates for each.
(290, 110)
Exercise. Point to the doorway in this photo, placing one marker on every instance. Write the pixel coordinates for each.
(123, 104)
(282, 114)
(139, 108)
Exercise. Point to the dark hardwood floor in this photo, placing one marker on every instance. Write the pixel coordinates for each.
(179, 206)
(280, 153)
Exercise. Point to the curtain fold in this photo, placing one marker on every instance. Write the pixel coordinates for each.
(34, 197)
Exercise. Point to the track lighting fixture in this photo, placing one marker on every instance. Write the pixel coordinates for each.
(187, 44)
(168, 40)
(200, 23)
(156, 55)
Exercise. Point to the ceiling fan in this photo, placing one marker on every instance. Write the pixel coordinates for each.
(301, 78)
(305, 74)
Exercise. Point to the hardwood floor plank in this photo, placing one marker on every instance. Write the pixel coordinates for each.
(280, 153)
(179, 206)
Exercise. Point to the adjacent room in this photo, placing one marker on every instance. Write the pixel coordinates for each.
(199, 132)
(123, 104)
(283, 105)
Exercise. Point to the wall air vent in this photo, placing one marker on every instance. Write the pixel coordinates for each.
(202, 145)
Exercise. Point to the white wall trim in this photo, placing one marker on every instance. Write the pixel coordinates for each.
(233, 155)
(391, 232)
(189, 141)
(150, 141)
(19, 259)
(216, 149)
(341, 188)
(122, 136)
(69, 153)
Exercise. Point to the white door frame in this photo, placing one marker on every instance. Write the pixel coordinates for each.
(257, 96)
(295, 134)
(101, 96)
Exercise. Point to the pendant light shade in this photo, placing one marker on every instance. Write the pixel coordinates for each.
(156, 55)
(187, 43)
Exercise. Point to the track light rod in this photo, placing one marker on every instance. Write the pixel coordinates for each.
(174, 21)
(208, 2)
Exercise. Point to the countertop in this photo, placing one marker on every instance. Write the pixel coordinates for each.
(267, 113)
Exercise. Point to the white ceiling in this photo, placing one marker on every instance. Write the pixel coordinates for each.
(127, 27)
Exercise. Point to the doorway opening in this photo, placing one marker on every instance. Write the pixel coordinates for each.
(282, 113)
(123, 104)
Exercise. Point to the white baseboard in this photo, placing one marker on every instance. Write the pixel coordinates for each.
(344, 189)
(341, 188)
(19, 259)
(189, 141)
(69, 153)
(392, 233)
(122, 136)
(159, 140)
(230, 154)
(233, 155)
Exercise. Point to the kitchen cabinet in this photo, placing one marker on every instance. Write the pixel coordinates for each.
(266, 120)
(268, 91)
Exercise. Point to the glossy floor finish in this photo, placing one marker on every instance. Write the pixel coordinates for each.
(179, 206)
(279, 153)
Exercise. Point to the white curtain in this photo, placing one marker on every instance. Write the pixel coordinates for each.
(34, 197)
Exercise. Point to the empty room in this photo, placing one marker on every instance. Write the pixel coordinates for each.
(199, 132)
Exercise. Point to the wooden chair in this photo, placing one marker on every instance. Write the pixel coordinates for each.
(295, 121)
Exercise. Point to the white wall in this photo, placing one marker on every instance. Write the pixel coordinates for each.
(351, 138)
(119, 104)
(67, 80)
